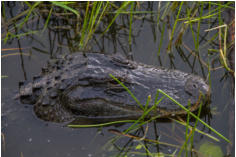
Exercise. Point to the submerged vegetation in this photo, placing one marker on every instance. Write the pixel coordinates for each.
(88, 26)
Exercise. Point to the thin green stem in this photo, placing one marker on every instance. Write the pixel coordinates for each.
(193, 115)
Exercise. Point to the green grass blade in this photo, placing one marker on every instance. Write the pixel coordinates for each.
(28, 4)
(48, 18)
(140, 120)
(29, 13)
(147, 103)
(133, 126)
(191, 28)
(161, 40)
(195, 125)
(4, 76)
(202, 18)
(11, 36)
(64, 5)
(177, 17)
(133, 12)
(197, 130)
(156, 97)
(158, 13)
(100, 125)
(102, 14)
(90, 23)
(146, 110)
(84, 30)
(3, 10)
(131, 94)
(92, 17)
(92, 28)
(24, 34)
(173, 30)
(186, 130)
(193, 115)
(130, 22)
(227, 5)
(198, 29)
(166, 11)
(184, 146)
(123, 6)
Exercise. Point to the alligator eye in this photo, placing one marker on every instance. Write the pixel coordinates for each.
(191, 87)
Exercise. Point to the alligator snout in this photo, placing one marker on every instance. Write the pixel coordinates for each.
(196, 85)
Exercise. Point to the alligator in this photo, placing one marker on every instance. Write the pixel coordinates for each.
(80, 85)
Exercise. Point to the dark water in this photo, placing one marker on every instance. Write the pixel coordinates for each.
(23, 133)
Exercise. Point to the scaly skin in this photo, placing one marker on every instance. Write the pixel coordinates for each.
(80, 85)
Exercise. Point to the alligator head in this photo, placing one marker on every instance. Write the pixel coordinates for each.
(79, 85)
